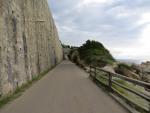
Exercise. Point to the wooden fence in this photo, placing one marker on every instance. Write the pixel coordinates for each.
(108, 79)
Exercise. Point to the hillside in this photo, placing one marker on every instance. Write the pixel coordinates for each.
(92, 53)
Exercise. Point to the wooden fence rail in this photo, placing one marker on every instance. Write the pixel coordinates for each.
(95, 74)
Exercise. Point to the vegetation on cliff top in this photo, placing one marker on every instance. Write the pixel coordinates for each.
(92, 53)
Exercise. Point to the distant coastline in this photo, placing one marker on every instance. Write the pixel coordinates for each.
(130, 61)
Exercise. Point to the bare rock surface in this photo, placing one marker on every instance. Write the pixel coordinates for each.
(29, 42)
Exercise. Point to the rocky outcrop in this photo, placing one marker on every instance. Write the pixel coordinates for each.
(145, 66)
(29, 42)
(126, 70)
(129, 73)
(144, 71)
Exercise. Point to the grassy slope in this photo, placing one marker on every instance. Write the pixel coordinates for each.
(136, 99)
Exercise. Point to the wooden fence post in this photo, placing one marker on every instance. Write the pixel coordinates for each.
(94, 72)
(90, 71)
(110, 82)
(149, 107)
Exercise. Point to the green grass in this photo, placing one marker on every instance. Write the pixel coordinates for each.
(134, 98)
(18, 92)
(102, 80)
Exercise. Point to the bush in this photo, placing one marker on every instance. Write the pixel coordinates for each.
(94, 53)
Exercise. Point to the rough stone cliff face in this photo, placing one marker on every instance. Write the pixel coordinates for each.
(29, 42)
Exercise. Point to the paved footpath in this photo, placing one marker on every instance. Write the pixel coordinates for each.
(66, 89)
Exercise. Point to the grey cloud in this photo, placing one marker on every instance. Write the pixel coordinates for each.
(114, 24)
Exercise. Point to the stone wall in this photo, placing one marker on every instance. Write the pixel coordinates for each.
(29, 42)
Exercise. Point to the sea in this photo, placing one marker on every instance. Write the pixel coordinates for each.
(130, 61)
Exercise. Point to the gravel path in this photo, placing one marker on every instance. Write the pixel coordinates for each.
(66, 89)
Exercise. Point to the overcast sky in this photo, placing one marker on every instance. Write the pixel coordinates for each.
(123, 26)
